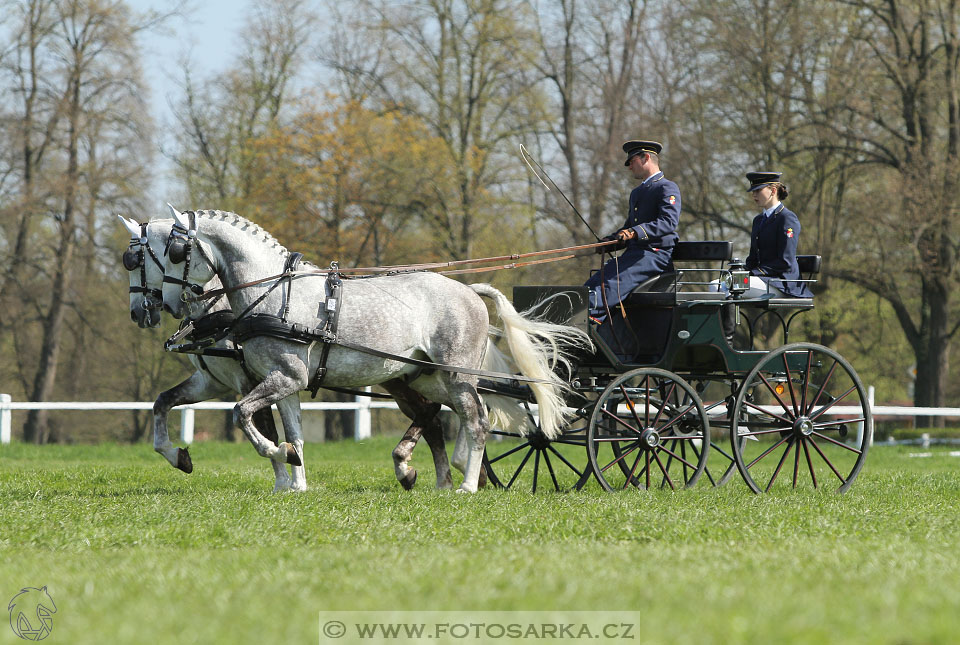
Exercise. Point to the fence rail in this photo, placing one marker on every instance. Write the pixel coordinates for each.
(362, 407)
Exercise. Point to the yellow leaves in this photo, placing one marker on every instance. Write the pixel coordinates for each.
(349, 181)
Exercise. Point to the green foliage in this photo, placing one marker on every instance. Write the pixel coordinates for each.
(115, 532)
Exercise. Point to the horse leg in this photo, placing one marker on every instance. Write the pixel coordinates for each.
(461, 454)
(292, 427)
(274, 388)
(198, 387)
(423, 416)
(433, 433)
(466, 402)
(264, 422)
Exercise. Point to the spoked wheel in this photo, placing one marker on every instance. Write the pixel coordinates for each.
(808, 421)
(534, 461)
(648, 429)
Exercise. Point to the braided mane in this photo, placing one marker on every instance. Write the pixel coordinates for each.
(243, 223)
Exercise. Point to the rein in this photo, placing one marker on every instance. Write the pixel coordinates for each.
(179, 248)
(397, 269)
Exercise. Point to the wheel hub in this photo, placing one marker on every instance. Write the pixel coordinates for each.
(803, 426)
(649, 439)
(538, 440)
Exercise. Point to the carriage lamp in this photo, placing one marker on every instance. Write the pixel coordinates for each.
(739, 277)
(779, 389)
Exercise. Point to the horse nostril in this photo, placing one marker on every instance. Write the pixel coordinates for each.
(133, 316)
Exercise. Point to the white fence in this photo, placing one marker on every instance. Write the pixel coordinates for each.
(362, 406)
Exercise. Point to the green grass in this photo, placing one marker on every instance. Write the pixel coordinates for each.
(134, 551)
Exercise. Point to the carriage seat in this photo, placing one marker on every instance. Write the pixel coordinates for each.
(809, 266)
(662, 290)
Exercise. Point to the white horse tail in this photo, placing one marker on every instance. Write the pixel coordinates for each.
(504, 412)
(537, 347)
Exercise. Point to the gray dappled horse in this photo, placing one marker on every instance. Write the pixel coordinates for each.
(218, 376)
(215, 376)
(414, 315)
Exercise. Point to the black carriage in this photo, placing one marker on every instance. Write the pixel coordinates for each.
(666, 399)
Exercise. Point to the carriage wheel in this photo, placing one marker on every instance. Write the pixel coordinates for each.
(808, 420)
(648, 429)
(533, 461)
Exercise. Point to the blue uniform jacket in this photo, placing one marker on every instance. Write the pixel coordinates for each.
(654, 213)
(773, 251)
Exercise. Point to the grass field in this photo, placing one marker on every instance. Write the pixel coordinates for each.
(134, 551)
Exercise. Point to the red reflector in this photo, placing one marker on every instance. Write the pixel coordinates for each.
(746, 280)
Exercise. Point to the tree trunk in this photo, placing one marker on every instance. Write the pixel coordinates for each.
(35, 428)
(933, 352)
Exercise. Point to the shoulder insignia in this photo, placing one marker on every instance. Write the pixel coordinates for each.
(673, 199)
(789, 232)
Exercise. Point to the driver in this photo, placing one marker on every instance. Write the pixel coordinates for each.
(649, 233)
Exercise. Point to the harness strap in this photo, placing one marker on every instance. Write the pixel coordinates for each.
(440, 366)
(270, 325)
(330, 325)
(202, 333)
(291, 264)
(144, 243)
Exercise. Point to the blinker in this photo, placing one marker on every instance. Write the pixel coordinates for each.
(131, 259)
(177, 251)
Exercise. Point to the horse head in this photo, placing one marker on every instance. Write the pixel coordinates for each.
(145, 271)
(188, 265)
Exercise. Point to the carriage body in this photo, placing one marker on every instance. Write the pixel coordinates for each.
(666, 398)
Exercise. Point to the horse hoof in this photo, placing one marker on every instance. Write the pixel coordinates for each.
(184, 462)
(292, 457)
(408, 480)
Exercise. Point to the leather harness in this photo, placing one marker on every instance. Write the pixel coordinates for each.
(206, 331)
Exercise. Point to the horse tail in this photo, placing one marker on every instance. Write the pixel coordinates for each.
(504, 412)
(537, 347)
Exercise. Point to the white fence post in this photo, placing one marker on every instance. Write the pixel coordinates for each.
(361, 418)
(870, 399)
(6, 419)
(186, 425)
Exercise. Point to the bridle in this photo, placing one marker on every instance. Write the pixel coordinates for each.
(135, 258)
(179, 248)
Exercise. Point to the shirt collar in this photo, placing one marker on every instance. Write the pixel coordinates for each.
(773, 209)
(655, 175)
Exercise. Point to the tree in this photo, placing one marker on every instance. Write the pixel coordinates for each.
(220, 118)
(83, 147)
(350, 184)
(462, 68)
(906, 122)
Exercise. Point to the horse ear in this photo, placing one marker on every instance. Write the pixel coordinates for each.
(131, 226)
(179, 218)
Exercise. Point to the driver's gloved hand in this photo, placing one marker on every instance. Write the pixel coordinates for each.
(609, 248)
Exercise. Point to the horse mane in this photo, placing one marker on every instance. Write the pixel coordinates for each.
(252, 228)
